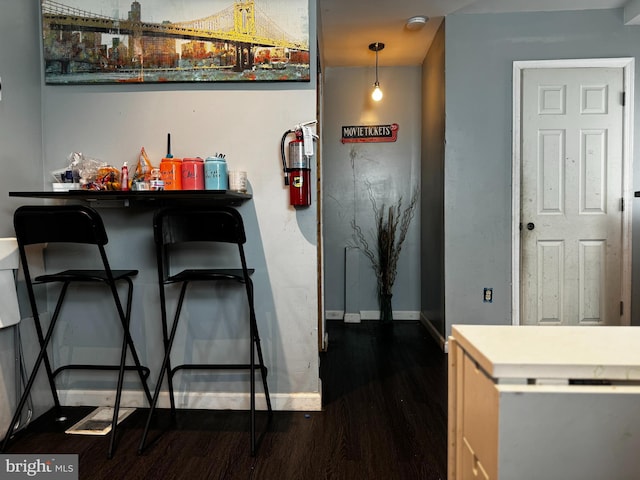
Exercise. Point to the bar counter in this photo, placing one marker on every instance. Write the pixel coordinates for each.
(147, 197)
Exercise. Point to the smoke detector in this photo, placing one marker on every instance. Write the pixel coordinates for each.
(416, 23)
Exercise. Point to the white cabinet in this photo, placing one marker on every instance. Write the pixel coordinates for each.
(544, 403)
(9, 311)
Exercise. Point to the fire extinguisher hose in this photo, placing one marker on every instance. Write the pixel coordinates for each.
(284, 160)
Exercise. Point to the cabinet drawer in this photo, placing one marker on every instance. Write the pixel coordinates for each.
(480, 417)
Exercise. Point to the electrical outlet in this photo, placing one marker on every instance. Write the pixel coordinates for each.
(488, 295)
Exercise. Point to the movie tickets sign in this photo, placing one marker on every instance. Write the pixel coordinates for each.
(370, 133)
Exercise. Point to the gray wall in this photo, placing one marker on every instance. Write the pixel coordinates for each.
(432, 205)
(480, 51)
(20, 108)
(392, 169)
(20, 147)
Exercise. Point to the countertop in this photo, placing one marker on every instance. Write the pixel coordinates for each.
(146, 197)
(553, 352)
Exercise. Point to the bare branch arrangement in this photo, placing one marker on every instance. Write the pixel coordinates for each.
(392, 224)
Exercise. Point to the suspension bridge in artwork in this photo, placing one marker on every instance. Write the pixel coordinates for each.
(242, 25)
(241, 22)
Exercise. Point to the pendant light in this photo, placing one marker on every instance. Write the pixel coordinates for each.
(376, 95)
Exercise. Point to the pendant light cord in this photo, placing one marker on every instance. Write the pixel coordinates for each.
(376, 64)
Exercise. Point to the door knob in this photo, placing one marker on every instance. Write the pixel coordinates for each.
(530, 226)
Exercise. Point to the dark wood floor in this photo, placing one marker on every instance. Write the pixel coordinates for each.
(384, 417)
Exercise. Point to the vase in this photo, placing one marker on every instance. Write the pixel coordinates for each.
(386, 310)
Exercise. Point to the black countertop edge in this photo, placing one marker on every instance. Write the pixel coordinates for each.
(147, 195)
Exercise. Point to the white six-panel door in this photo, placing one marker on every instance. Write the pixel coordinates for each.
(571, 196)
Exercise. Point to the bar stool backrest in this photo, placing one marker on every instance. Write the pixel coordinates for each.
(177, 225)
(59, 224)
(217, 224)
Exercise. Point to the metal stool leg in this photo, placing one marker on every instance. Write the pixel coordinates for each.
(38, 326)
(263, 368)
(163, 369)
(41, 357)
(127, 341)
(252, 382)
(165, 336)
(255, 346)
(125, 319)
(256, 339)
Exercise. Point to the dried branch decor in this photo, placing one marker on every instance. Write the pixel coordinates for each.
(392, 224)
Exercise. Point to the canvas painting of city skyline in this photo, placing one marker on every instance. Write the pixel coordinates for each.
(156, 41)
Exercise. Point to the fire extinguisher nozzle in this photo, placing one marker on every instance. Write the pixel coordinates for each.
(286, 181)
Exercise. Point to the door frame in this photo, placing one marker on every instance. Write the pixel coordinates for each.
(627, 66)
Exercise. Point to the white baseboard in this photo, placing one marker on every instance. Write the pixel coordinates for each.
(308, 401)
(369, 315)
(397, 315)
(352, 318)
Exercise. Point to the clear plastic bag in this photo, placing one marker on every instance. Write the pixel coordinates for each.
(142, 174)
(91, 173)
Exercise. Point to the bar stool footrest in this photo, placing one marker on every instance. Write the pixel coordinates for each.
(221, 366)
(145, 370)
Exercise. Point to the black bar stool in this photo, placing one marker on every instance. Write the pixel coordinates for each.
(178, 226)
(73, 224)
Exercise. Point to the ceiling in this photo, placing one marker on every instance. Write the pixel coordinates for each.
(347, 27)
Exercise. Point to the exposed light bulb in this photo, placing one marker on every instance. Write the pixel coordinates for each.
(376, 95)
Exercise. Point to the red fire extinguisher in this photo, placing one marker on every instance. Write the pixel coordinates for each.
(297, 173)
